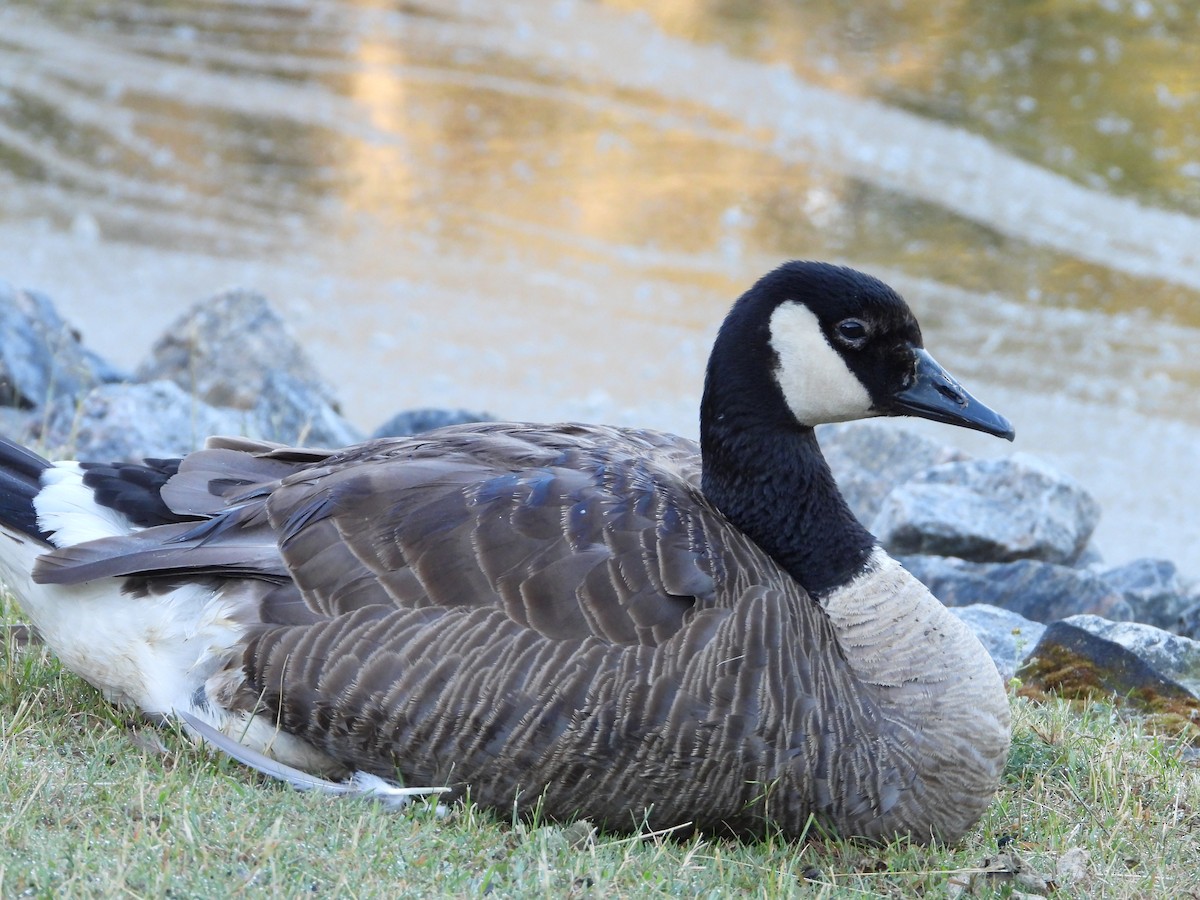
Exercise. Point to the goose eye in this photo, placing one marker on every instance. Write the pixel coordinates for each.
(852, 332)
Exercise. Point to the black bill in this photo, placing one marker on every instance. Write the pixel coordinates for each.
(934, 394)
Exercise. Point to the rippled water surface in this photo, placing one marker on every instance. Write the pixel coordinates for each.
(543, 208)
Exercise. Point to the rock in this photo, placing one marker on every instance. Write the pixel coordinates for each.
(234, 351)
(1005, 874)
(869, 459)
(290, 411)
(989, 510)
(1007, 636)
(1072, 662)
(1188, 623)
(1072, 866)
(20, 425)
(1153, 589)
(1089, 558)
(42, 358)
(415, 421)
(1171, 655)
(136, 421)
(1036, 590)
(225, 349)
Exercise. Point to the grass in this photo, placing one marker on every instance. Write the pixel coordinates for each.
(93, 805)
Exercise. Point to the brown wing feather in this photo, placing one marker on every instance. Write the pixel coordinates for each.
(566, 540)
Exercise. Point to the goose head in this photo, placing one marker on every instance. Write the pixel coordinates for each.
(812, 343)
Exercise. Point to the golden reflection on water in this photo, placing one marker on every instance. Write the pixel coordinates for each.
(1107, 93)
(485, 145)
(379, 174)
(477, 149)
(547, 157)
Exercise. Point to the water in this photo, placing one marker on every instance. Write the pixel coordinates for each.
(543, 209)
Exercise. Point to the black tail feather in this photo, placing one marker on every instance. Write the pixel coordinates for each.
(134, 489)
(20, 482)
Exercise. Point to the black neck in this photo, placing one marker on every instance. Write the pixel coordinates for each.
(768, 477)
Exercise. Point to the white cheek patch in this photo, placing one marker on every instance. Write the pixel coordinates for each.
(816, 383)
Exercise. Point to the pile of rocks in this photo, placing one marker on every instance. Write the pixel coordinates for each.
(228, 366)
(1004, 542)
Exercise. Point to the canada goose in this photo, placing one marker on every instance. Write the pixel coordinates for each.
(579, 617)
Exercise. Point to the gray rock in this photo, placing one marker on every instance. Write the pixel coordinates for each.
(1188, 623)
(136, 421)
(290, 411)
(1073, 662)
(20, 425)
(224, 350)
(1089, 558)
(1036, 590)
(989, 510)
(415, 421)
(1008, 636)
(1153, 589)
(1173, 656)
(42, 359)
(869, 460)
